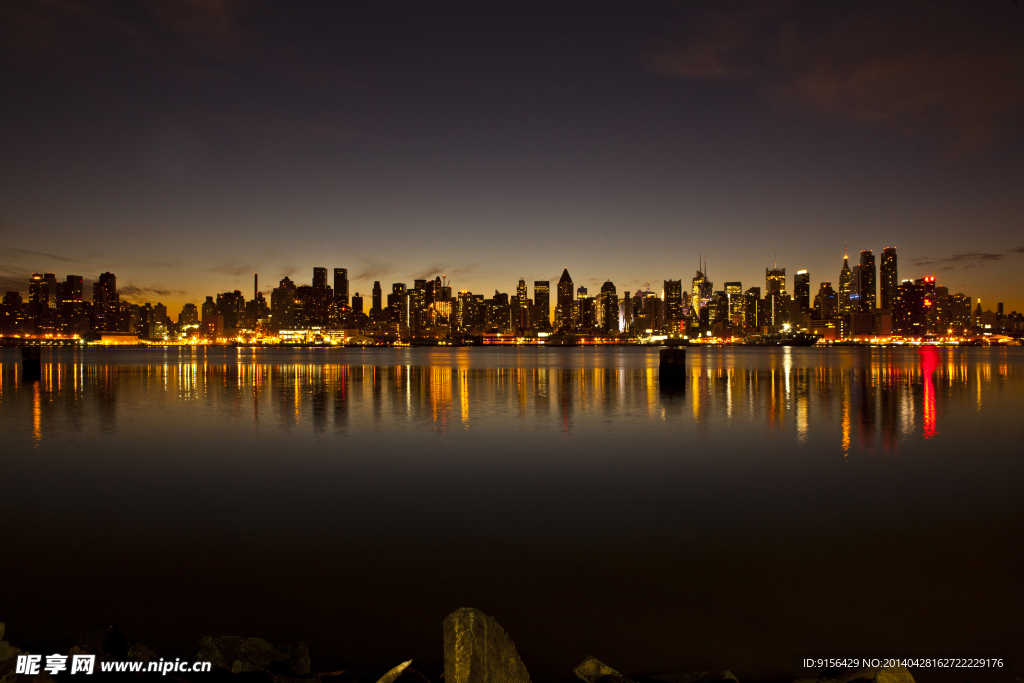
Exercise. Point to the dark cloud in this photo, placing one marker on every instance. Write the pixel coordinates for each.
(233, 267)
(972, 259)
(10, 253)
(1016, 250)
(138, 295)
(371, 270)
(431, 271)
(945, 70)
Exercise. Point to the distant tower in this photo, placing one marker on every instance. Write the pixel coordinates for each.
(542, 304)
(376, 297)
(341, 286)
(319, 278)
(802, 290)
(890, 279)
(845, 278)
(563, 306)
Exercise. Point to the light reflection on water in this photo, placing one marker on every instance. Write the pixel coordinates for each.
(773, 504)
(860, 401)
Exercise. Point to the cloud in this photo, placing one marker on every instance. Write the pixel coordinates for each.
(233, 267)
(371, 270)
(20, 254)
(138, 295)
(1016, 250)
(972, 259)
(947, 71)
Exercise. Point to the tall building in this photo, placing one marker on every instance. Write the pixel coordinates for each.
(319, 278)
(106, 304)
(673, 306)
(542, 304)
(608, 308)
(845, 283)
(341, 286)
(189, 315)
(737, 303)
(376, 297)
(863, 289)
(563, 304)
(774, 280)
(890, 279)
(802, 290)
(282, 305)
(42, 293)
(826, 302)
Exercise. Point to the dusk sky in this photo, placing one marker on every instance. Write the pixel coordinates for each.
(186, 144)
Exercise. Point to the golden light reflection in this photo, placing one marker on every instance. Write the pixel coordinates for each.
(879, 399)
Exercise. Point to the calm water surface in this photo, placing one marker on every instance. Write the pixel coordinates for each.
(779, 503)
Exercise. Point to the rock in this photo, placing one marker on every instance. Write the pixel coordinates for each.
(592, 670)
(103, 640)
(697, 677)
(895, 674)
(8, 651)
(140, 653)
(239, 654)
(477, 650)
(391, 675)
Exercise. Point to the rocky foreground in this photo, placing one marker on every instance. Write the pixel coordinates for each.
(476, 650)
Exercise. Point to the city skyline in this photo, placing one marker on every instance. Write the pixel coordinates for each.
(173, 299)
(870, 301)
(187, 146)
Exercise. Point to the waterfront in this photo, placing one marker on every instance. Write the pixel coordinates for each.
(778, 503)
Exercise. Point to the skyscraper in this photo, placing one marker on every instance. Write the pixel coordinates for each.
(774, 281)
(376, 297)
(340, 286)
(802, 290)
(105, 303)
(863, 290)
(542, 304)
(319, 278)
(737, 303)
(673, 306)
(563, 305)
(890, 279)
(845, 280)
(609, 308)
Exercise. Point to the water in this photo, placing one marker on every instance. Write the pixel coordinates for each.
(780, 503)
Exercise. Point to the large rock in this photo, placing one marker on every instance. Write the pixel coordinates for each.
(592, 670)
(477, 650)
(697, 677)
(103, 640)
(393, 674)
(239, 654)
(895, 674)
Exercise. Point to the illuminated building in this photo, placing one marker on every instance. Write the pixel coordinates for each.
(282, 305)
(340, 285)
(737, 303)
(845, 280)
(673, 305)
(608, 308)
(890, 278)
(863, 288)
(42, 293)
(189, 315)
(563, 304)
(542, 305)
(777, 301)
(376, 310)
(826, 302)
(802, 290)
